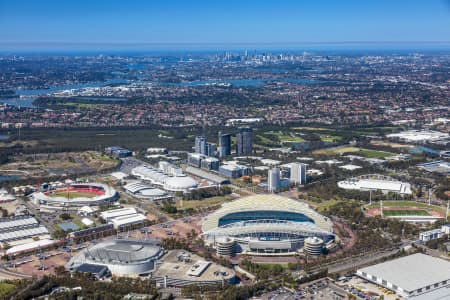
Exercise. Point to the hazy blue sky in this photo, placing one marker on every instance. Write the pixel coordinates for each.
(226, 21)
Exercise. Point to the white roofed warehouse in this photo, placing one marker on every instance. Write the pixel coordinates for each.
(267, 225)
(416, 275)
(376, 182)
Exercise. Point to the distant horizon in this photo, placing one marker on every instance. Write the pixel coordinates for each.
(350, 46)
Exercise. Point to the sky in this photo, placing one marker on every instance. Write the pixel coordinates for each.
(60, 23)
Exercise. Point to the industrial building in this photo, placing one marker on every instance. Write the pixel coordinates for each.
(123, 217)
(124, 257)
(266, 225)
(413, 275)
(32, 246)
(376, 182)
(17, 230)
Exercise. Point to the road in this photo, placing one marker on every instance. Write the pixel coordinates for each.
(355, 262)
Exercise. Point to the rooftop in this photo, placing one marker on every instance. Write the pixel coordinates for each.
(412, 272)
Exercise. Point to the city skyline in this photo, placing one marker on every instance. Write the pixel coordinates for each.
(205, 25)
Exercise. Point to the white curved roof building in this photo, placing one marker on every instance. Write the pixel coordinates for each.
(374, 182)
(104, 193)
(122, 257)
(267, 224)
(180, 182)
(142, 190)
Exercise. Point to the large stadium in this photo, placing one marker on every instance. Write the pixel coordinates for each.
(76, 195)
(376, 182)
(266, 225)
(125, 257)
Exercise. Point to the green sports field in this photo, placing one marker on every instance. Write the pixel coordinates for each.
(405, 212)
(72, 195)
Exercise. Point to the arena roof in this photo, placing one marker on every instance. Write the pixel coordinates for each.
(180, 183)
(411, 272)
(122, 257)
(144, 190)
(156, 176)
(268, 202)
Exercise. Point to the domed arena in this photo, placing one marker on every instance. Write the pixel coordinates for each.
(123, 257)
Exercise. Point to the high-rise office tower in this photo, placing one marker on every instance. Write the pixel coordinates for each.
(273, 179)
(210, 149)
(244, 141)
(224, 144)
(298, 173)
(200, 145)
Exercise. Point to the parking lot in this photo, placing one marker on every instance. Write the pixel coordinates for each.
(41, 263)
(320, 289)
(366, 290)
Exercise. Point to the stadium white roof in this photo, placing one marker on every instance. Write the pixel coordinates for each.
(268, 202)
(411, 272)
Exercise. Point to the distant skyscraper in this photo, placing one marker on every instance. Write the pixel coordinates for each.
(210, 149)
(200, 145)
(273, 179)
(224, 144)
(298, 173)
(244, 141)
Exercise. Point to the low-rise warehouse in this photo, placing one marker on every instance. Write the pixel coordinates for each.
(15, 229)
(411, 275)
